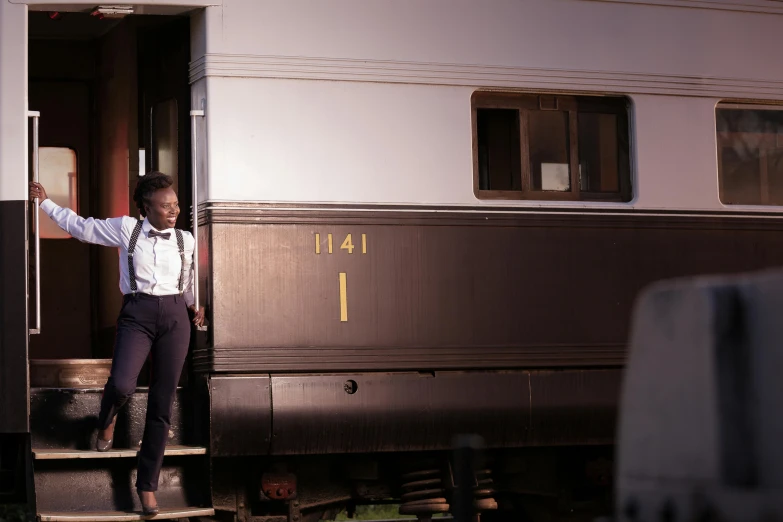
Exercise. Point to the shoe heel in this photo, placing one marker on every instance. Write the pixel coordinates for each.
(147, 511)
(105, 445)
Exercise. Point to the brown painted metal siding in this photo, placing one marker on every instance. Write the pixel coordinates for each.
(314, 414)
(14, 402)
(240, 415)
(450, 290)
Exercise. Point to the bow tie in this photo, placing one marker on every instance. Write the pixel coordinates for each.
(163, 235)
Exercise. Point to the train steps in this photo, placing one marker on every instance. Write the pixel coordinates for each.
(73, 482)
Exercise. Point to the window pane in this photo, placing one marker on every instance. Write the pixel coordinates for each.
(599, 169)
(750, 148)
(775, 166)
(164, 138)
(58, 175)
(498, 149)
(549, 155)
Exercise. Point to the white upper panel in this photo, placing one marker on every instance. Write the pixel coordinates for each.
(13, 102)
(571, 35)
(395, 126)
(347, 142)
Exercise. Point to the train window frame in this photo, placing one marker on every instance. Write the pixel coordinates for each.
(572, 104)
(764, 142)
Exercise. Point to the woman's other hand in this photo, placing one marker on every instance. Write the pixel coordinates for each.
(198, 318)
(37, 191)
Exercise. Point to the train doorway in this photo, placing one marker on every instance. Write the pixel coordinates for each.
(114, 97)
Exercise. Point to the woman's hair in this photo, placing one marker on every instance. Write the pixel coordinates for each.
(147, 186)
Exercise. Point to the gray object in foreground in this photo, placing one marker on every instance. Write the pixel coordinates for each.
(701, 420)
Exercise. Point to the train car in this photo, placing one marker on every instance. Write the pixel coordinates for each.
(415, 220)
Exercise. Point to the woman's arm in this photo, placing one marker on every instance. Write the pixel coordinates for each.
(106, 232)
(189, 281)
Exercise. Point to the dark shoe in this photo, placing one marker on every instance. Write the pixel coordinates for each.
(146, 509)
(105, 445)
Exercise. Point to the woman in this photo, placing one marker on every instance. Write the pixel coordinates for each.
(156, 280)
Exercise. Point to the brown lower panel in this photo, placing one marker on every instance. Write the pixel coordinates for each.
(289, 290)
(14, 404)
(240, 415)
(372, 412)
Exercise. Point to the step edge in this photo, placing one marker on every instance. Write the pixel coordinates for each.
(65, 454)
(96, 516)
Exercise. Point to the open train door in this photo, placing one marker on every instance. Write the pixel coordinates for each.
(115, 92)
(171, 137)
(14, 384)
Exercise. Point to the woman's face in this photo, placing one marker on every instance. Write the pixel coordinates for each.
(163, 209)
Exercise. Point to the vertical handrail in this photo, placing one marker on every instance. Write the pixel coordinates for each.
(35, 115)
(194, 206)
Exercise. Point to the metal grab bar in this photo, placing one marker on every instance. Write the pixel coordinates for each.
(35, 115)
(194, 206)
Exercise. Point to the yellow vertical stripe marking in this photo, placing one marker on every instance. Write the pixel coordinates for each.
(329, 238)
(364, 243)
(343, 297)
(317, 243)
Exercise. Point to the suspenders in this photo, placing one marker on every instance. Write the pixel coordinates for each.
(132, 246)
(181, 246)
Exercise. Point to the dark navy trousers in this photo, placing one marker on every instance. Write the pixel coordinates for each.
(160, 325)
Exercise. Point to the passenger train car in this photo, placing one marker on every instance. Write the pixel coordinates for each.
(415, 220)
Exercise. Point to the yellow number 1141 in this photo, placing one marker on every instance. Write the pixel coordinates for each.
(347, 243)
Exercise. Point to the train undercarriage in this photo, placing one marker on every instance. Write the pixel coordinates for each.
(333, 442)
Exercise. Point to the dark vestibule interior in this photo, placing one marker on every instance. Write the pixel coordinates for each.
(114, 97)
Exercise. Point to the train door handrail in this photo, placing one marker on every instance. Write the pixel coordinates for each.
(194, 206)
(35, 115)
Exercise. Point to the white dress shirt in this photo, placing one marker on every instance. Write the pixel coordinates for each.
(156, 261)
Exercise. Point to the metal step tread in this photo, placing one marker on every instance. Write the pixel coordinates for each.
(117, 516)
(60, 454)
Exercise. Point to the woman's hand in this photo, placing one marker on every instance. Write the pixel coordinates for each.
(37, 191)
(198, 318)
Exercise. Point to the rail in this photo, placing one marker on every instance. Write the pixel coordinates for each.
(194, 208)
(35, 115)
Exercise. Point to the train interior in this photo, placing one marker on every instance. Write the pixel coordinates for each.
(113, 96)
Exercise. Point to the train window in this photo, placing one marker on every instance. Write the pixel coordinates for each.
(551, 147)
(58, 173)
(164, 138)
(750, 154)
